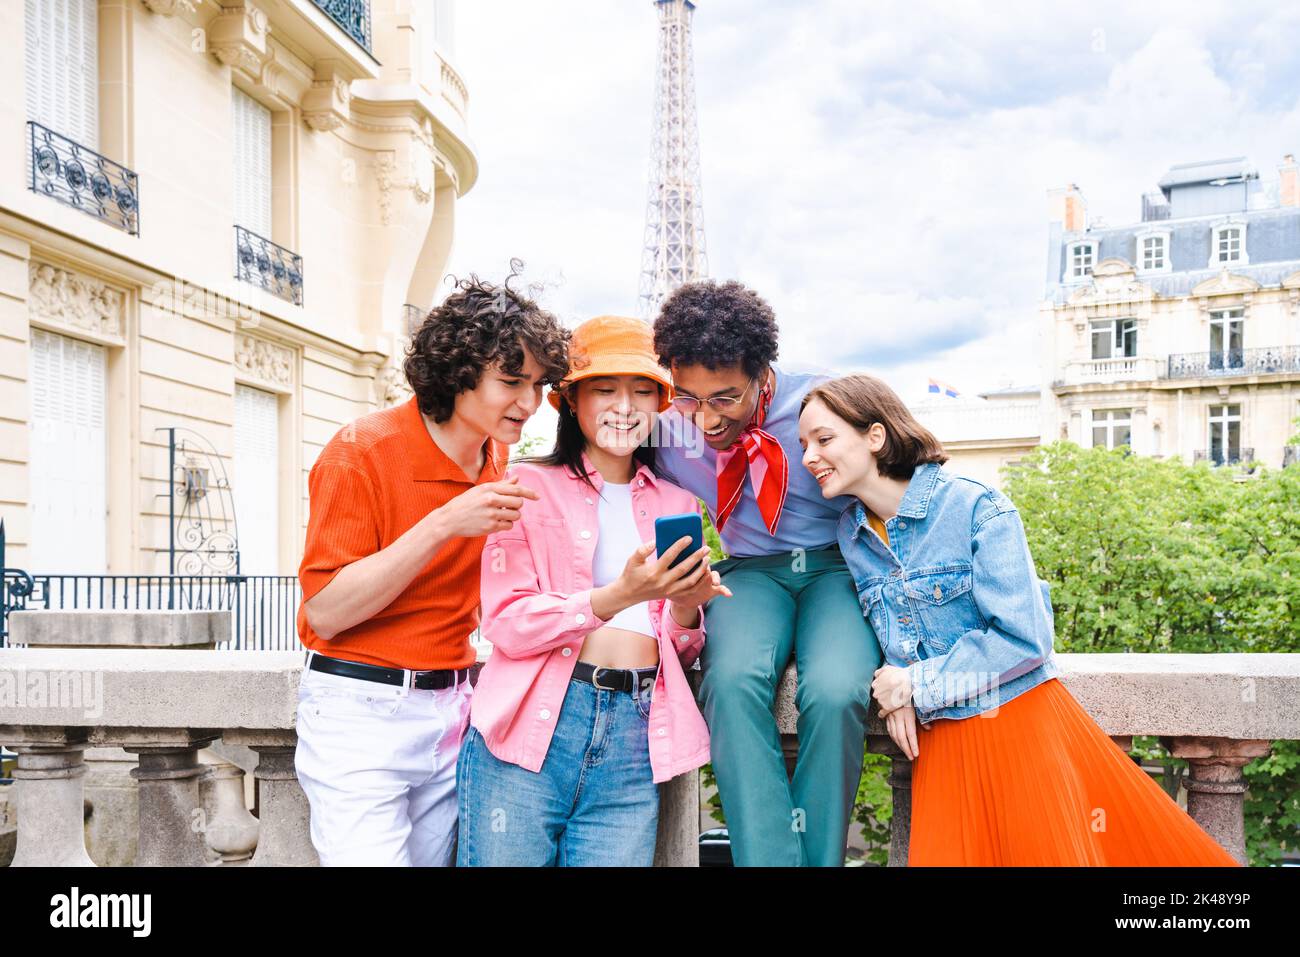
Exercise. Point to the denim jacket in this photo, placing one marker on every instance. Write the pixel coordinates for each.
(953, 597)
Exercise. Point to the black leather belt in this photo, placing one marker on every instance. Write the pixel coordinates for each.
(420, 680)
(613, 679)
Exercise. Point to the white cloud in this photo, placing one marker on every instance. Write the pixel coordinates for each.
(876, 171)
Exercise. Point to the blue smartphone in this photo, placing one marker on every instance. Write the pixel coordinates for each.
(669, 528)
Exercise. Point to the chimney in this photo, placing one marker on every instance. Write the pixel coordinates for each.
(1067, 207)
(1288, 180)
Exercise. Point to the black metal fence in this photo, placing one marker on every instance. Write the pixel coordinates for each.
(266, 264)
(79, 177)
(264, 607)
(352, 16)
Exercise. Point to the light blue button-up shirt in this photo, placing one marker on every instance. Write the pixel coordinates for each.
(808, 521)
(954, 597)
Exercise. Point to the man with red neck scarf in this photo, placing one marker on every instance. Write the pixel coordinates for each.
(732, 439)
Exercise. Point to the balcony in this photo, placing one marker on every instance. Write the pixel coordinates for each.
(262, 263)
(79, 177)
(352, 16)
(191, 723)
(1224, 456)
(1116, 369)
(453, 89)
(1234, 362)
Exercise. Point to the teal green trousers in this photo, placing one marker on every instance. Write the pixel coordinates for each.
(802, 604)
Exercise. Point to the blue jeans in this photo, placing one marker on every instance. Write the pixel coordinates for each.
(594, 803)
(808, 609)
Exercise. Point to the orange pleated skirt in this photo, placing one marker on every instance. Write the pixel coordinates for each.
(1038, 783)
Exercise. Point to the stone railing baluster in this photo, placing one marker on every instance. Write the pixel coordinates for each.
(50, 796)
(284, 822)
(1216, 711)
(231, 831)
(1216, 789)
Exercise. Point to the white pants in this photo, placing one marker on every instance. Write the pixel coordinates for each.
(378, 765)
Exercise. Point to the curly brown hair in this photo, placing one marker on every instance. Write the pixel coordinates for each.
(478, 325)
(716, 324)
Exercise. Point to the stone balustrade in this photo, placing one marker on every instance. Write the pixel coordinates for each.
(1217, 711)
(165, 706)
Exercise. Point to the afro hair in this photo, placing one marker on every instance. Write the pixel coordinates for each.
(716, 324)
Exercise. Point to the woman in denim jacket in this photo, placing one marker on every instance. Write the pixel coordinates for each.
(584, 706)
(1008, 768)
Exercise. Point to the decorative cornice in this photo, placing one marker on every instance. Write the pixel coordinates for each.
(237, 37)
(325, 104)
(1235, 287)
(167, 8)
(265, 362)
(391, 108)
(60, 297)
(1291, 286)
(1113, 281)
(1226, 284)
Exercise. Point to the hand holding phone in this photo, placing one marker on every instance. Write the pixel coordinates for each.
(670, 528)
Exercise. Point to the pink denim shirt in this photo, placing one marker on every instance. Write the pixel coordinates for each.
(536, 594)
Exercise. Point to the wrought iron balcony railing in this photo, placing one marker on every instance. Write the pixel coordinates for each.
(83, 179)
(262, 263)
(1231, 362)
(1224, 456)
(353, 16)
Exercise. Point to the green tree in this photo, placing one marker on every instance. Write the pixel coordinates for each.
(711, 537)
(1145, 555)
(1149, 556)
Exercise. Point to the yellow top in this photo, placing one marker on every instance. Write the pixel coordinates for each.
(879, 526)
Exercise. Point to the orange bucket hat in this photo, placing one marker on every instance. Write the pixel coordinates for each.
(613, 345)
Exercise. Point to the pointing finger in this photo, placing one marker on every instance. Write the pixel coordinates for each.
(527, 492)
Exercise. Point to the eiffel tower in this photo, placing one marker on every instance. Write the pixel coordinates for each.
(674, 221)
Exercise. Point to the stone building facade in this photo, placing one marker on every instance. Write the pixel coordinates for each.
(217, 218)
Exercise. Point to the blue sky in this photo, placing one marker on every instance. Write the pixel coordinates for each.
(877, 171)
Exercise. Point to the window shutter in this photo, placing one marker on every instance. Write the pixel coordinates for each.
(39, 24)
(68, 468)
(62, 67)
(256, 480)
(252, 159)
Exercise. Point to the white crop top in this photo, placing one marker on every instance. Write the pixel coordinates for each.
(617, 540)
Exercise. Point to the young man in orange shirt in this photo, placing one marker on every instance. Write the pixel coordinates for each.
(402, 501)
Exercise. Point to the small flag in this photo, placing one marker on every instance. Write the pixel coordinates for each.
(938, 387)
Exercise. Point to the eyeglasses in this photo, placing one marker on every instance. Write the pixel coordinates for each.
(719, 403)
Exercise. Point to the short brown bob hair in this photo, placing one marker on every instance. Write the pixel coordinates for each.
(862, 401)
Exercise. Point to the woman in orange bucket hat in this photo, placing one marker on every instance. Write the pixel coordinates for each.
(584, 707)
